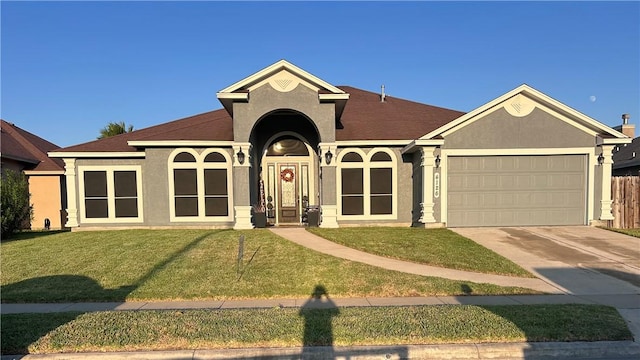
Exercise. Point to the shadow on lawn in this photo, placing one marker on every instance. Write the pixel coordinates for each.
(75, 288)
(66, 288)
(31, 234)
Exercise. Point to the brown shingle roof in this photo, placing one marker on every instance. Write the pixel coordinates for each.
(364, 118)
(213, 125)
(21, 145)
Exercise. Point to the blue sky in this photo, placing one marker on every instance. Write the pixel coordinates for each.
(69, 68)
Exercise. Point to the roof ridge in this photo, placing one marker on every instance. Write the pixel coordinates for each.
(398, 98)
(39, 155)
(13, 130)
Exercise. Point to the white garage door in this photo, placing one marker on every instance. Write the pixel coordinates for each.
(516, 190)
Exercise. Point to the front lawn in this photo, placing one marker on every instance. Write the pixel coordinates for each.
(213, 329)
(195, 265)
(436, 247)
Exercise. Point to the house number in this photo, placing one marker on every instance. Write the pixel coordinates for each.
(436, 185)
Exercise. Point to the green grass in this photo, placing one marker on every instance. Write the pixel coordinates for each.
(195, 265)
(211, 329)
(631, 232)
(435, 247)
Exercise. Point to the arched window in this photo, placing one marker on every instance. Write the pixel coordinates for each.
(199, 185)
(368, 184)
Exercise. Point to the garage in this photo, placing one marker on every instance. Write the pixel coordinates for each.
(516, 190)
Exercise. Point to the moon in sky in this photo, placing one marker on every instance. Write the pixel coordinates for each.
(592, 98)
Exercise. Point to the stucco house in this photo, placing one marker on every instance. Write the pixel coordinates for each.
(25, 152)
(288, 139)
(626, 157)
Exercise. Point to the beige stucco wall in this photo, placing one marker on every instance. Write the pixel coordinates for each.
(47, 201)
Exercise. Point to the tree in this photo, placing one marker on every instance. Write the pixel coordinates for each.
(16, 209)
(114, 128)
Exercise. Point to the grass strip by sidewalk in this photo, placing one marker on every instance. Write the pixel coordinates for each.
(631, 232)
(197, 265)
(435, 247)
(287, 327)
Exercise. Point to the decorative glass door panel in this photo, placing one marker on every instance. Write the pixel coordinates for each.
(288, 209)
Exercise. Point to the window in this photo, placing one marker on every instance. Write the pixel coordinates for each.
(199, 185)
(110, 194)
(367, 184)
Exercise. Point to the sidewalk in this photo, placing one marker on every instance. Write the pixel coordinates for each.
(619, 301)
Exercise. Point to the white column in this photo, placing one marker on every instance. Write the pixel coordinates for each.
(72, 202)
(427, 204)
(605, 203)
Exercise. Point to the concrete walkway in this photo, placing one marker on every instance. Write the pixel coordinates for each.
(302, 237)
(617, 301)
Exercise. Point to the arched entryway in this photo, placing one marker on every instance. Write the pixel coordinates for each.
(286, 168)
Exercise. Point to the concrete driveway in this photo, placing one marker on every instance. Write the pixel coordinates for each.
(577, 260)
(596, 265)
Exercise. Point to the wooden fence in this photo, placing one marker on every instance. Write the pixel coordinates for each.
(625, 192)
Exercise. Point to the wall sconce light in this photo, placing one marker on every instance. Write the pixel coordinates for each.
(437, 161)
(600, 159)
(328, 156)
(240, 156)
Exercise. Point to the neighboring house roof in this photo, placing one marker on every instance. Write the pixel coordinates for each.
(365, 117)
(22, 146)
(627, 155)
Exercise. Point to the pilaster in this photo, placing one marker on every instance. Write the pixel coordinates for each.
(605, 203)
(427, 204)
(241, 190)
(72, 201)
(329, 201)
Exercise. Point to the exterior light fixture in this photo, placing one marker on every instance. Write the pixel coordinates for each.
(328, 156)
(240, 156)
(600, 159)
(437, 161)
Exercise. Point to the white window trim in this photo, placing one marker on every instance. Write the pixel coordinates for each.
(200, 166)
(111, 198)
(366, 165)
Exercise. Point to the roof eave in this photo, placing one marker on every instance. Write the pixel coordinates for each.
(96, 154)
(415, 145)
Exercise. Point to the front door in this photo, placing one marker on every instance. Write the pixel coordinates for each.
(289, 211)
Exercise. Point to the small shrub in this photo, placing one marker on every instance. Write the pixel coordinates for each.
(16, 209)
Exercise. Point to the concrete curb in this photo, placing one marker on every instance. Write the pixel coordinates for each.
(538, 350)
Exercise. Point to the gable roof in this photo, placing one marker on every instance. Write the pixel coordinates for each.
(20, 145)
(244, 84)
(284, 76)
(580, 120)
(627, 155)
